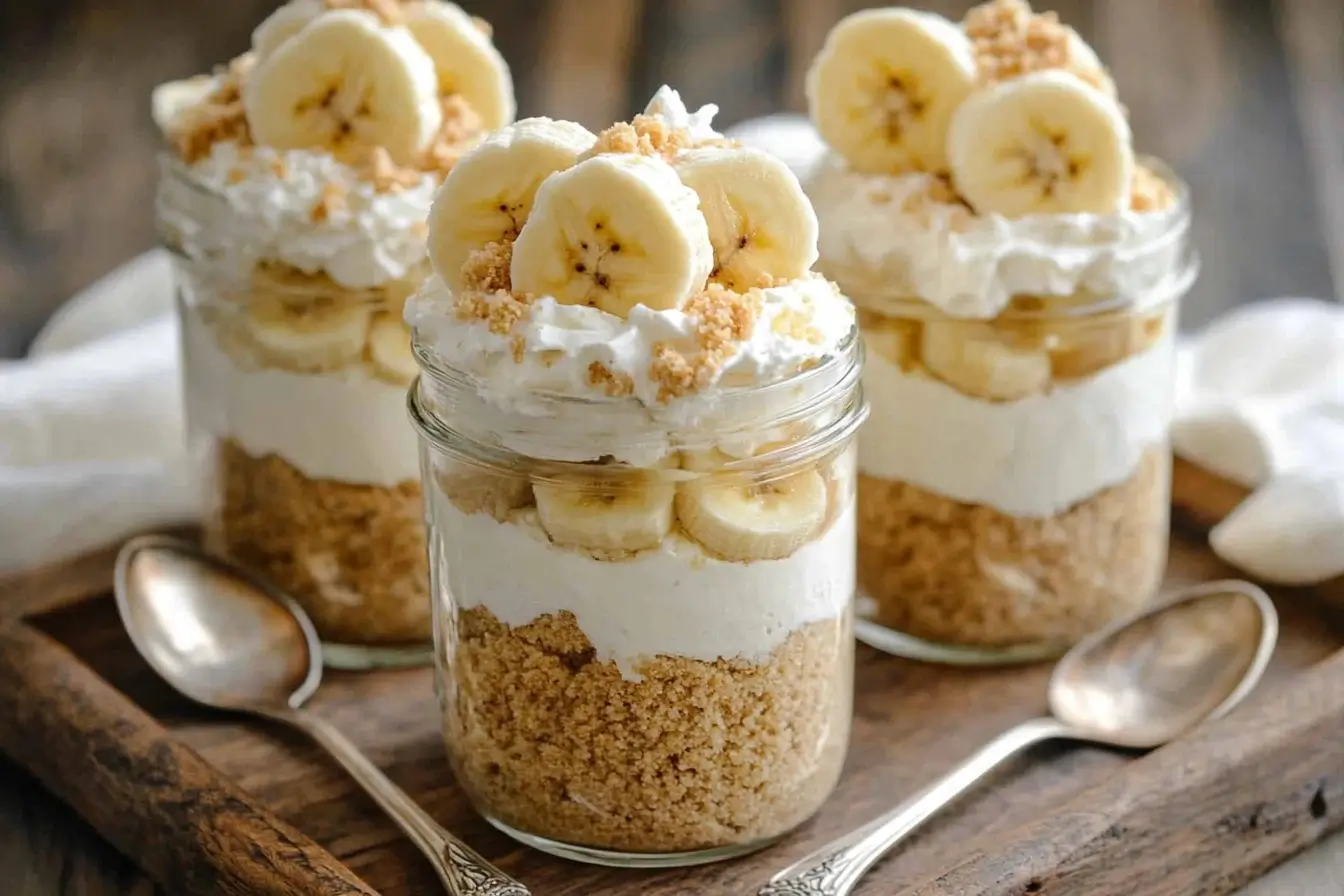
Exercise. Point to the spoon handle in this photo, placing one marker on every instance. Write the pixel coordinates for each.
(464, 872)
(834, 869)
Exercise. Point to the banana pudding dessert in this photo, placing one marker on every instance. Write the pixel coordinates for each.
(296, 186)
(1017, 271)
(636, 409)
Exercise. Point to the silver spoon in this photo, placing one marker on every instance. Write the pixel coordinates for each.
(1136, 685)
(228, 640)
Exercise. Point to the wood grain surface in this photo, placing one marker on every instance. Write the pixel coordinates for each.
(1245, 97)
(1236, 797)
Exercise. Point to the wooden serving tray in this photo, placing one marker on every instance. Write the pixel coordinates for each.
(215, 804)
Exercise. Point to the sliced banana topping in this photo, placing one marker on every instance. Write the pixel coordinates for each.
(895, 340)
(760, 221)
(970, 357)
(885, 85)
(390, 349)
(488, 195)
(605, 516)
(287, 21)
(343, 83)
(465, 59)
(743, 521)
(1045, 143)
(308, 334)
(613, 232)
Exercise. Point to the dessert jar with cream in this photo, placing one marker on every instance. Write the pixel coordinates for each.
(637, 407)
(294, 194)
(1018, 272)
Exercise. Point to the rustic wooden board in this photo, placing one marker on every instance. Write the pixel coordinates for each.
(213, 804)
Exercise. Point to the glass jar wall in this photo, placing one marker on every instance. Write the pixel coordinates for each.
(645, 664)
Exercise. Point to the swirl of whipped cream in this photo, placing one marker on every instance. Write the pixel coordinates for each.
(668, 106)
(888, 240)
(244, 205)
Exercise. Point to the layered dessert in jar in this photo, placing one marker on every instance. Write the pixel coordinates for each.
(1017, 270)
(637, 406)
(296, 184)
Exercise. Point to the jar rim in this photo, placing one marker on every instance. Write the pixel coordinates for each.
(844, 366)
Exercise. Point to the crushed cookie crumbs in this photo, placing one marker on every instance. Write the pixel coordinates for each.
(648, 135)
(1150, 192)
(1009, 41)
(487, 268)
(615, 385)
(500, 310)
(723, 320)
(329, 203)
(385, 175)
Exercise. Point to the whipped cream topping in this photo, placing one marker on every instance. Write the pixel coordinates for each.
(669, 601)
(244, 205)
(560, 344)
(667, 105)
(1031, 458)
(886, 241)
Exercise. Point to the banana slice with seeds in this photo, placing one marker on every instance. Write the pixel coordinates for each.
(309, 336)
(970, 357)
(885, 85)
(760, 221)
(613, 232)
(605, 516)
(465, 58)
(345, 83)
(1044, 143)
(742, 521)
(488, 195)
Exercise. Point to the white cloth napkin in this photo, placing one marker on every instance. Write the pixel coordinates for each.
(91, 435)
(1260, 401)
(92, 448)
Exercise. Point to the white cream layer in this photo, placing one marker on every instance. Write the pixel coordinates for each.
(240, 207)
(673, 601)
(346, 425)
(1031, 458)
(884, 248)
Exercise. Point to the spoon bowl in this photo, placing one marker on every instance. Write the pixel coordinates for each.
(1137, 684)
(216, 634)
(228, 640)
(1148, 679)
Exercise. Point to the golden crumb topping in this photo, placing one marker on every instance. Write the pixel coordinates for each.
(615, 385)
(1009, 40)
(218, 117)
(723, 320)
(487, 268)
(1150, 192)
(332, 201)
(649, 135)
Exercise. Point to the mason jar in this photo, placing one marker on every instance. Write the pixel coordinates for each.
(1014, 477)
(294, 386)
(646, 659)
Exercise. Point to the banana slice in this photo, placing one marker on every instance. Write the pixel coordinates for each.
(1084, 347)
(342, 83)
(1045, 143)
(465, 58)
(287, 21)
(761, 223)
(314, 335)
(883, 88)
(605, 516)
(895, 340)
(390, 349)
(168, 101)
(744, 521)
(614, 231)
(488, 194)
(969, 356)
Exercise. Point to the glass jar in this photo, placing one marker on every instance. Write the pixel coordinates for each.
(644, 665)
(295, 390)
(1014, 480)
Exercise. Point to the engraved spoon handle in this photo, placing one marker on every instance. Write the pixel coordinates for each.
(834, 869)
(463, 871)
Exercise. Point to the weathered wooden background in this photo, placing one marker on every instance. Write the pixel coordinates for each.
(1244, 97)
